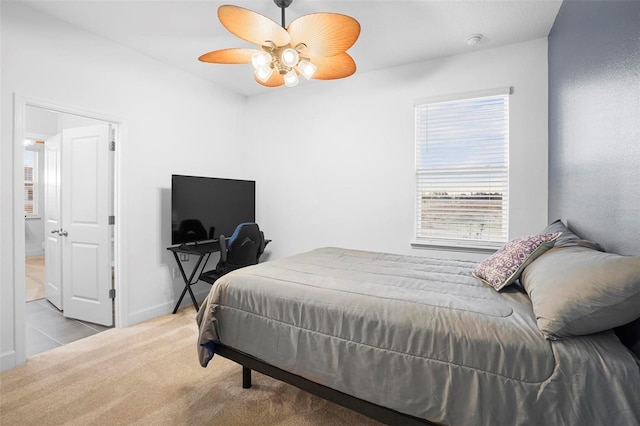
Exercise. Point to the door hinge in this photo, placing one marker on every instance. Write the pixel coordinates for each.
(112, 293)
(112, 220)
(112, 146)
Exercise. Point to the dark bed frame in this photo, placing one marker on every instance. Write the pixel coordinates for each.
(377, 412)
(628, 334)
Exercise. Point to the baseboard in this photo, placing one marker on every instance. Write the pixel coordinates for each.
(7, 360)
(34, 252)
(165, 308)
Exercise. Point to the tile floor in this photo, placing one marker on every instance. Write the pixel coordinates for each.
(47, 328)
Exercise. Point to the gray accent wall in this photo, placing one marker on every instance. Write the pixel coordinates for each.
(594, 122)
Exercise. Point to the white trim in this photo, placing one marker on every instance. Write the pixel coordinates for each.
(18, 356)
(122, 296)
(7, 360)
(457, 245)
(19, 294)
(37, 136)
(508, 90)
(163, 308)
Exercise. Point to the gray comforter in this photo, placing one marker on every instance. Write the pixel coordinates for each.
(420, 336)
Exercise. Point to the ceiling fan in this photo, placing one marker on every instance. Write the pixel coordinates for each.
(313, 45)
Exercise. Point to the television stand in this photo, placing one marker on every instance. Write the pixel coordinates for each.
(203, 251)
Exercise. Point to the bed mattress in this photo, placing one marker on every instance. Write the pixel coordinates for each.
(421, 336)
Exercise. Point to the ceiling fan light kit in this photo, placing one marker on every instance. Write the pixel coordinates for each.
(263, 73)
(313, 45)
(291, 79)
(306, 68)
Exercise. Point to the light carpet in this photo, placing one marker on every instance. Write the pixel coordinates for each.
(149, 374)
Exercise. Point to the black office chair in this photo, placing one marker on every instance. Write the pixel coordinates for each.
(244, 248)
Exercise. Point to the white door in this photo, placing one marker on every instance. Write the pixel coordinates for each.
(52, 224)
(86, 236)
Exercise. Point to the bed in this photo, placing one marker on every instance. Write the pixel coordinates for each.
(408, 339)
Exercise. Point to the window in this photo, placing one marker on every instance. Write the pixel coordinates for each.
(30, 183)
(462, 170)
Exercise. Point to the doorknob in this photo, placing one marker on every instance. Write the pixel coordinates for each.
(56, 231)
(64, 233)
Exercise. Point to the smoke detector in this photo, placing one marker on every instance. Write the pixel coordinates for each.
(474, 39)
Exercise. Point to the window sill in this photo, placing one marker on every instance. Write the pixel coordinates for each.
(454, 245)
(32, 217)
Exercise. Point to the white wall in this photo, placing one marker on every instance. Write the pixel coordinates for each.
(173, 123)
(40, 124)
(342, 174)
(34, 225)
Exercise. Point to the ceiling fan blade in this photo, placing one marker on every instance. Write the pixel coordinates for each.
(333, 67)
(251, 26)
(325, 34)
(229, 56)
(275, 80)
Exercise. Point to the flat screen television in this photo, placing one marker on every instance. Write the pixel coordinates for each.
(202, 208)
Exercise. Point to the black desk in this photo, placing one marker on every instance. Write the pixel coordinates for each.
(203, 251)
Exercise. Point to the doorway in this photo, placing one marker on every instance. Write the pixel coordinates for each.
(35, 122)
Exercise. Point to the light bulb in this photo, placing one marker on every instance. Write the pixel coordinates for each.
(307, 69)
(263, 73)
(289, 57)
(291, 78)
(261, 59)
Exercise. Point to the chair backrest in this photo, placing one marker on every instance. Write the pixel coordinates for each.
(243, 248)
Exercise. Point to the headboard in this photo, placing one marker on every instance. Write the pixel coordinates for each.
(594, 129)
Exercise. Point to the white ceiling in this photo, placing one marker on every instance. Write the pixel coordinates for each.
(392, 32)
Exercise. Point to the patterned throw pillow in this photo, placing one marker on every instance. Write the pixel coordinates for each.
(505, 266)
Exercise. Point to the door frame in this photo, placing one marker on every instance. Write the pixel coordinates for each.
(20, 103)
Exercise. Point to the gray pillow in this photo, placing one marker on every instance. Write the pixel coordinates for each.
(568, 237)
(576, 291)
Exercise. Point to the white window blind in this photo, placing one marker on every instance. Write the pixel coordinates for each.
(462, 170)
